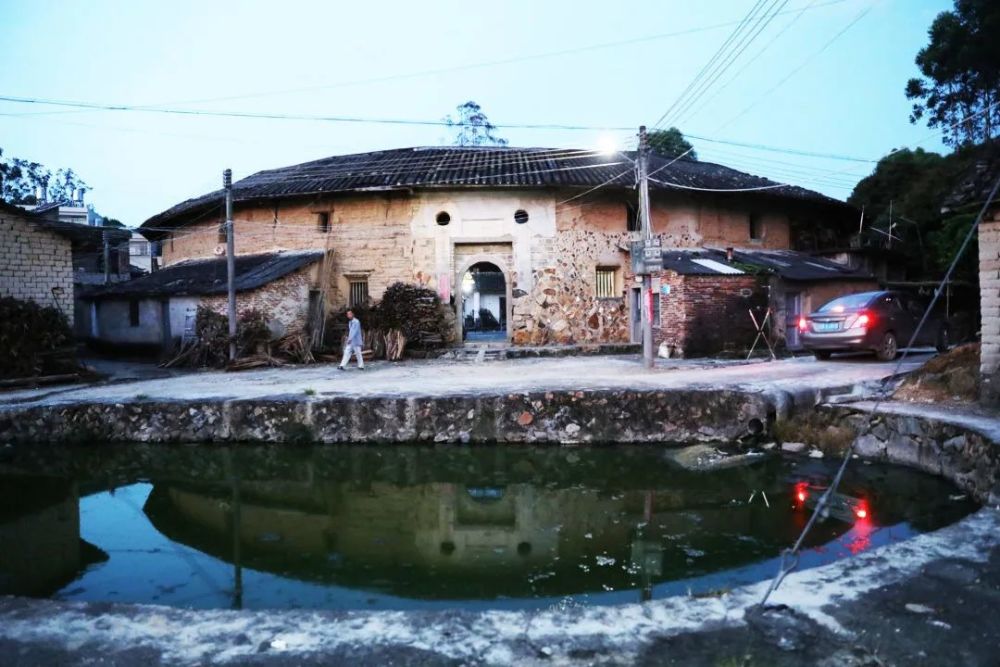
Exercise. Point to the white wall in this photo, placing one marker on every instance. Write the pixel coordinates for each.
(480, 217)
(113, 325)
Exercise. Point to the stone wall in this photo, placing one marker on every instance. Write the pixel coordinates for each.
(284, 301)
(592, 416)
(989, 290)
(35, 264)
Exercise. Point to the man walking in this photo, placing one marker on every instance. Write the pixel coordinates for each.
(354, 342)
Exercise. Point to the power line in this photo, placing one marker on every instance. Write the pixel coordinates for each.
(715, 56)
(762, 23)
(480, 65)
(801, 66)
(756, 56)
(288, 116)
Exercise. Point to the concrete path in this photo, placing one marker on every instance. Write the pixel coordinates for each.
(430, 378)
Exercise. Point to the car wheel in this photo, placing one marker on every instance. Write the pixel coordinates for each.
(821, 355)
(888, 348)
(943, 340)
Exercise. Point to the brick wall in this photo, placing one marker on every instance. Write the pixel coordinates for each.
(35, 264)
(989, 289)
(708, 314)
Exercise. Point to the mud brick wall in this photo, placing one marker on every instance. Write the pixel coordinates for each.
(708, 314)
(370, 237)
(286, 300)
(989, 290)
(35, 264)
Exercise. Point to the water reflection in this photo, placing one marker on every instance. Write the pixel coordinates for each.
(343, 527)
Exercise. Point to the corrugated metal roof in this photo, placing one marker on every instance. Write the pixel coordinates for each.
(203, 277)
(477, 167)
(788, 264)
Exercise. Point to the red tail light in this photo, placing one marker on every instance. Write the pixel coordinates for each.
(863, 320)
(861, 510)
(803, 324)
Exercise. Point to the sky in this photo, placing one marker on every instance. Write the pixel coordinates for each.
(824, 76)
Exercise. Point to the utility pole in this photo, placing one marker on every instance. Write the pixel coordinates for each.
(107, 257)
(647, 237)
(227, 183)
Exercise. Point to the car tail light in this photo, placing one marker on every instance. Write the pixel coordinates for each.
(861, 510)
(862, 321)
(803, 324)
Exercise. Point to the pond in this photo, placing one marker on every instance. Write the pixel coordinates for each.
(419, 527)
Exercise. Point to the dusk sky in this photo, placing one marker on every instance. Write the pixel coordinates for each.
(805, 83)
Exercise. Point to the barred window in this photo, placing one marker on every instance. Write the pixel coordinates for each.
(606, 279)
(359, 292)
(323, 222)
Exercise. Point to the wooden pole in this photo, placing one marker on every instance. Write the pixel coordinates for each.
(647, 235)
(227, 183)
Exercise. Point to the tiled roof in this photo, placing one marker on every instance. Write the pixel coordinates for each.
(788, 264)
(476, 167)
(203, 277)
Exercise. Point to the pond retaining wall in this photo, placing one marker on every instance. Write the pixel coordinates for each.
(593, 416)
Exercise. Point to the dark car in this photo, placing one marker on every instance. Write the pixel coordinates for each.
(879, 322)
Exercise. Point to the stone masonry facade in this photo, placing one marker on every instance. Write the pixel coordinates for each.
(989, 289)
(35, 264)
(550, 262)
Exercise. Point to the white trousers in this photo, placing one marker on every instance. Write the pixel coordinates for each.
(347, 355)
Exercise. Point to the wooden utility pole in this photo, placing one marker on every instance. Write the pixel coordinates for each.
(227, 183)
(647, 236)
(106, 256)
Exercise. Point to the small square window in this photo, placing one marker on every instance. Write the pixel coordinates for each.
(359, 292)
(323, 222)
(133, 312)
(607, 282)
(222, 232)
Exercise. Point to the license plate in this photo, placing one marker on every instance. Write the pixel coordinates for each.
(827, 326)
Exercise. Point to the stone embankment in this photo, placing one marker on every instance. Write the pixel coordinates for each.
(564, 416)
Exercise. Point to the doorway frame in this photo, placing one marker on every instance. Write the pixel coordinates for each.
(468, 263)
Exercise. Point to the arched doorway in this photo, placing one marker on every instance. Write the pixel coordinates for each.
(483, 304)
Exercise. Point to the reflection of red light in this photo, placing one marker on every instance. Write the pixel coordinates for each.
(801, 493)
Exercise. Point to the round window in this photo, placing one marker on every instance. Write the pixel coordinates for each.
(443, 218)
(520, 216)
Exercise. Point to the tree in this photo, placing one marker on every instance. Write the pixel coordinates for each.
(913, 185)
(19, 178)
(472, 127)
(671, 143)
(961, 68)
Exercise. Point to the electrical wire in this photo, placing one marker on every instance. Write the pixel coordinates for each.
(763, 22)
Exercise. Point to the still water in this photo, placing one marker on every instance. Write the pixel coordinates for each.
(416, 527)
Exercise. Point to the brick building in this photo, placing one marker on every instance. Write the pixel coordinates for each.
(553, 224)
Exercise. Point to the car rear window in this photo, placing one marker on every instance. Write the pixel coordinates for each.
(850, 302)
